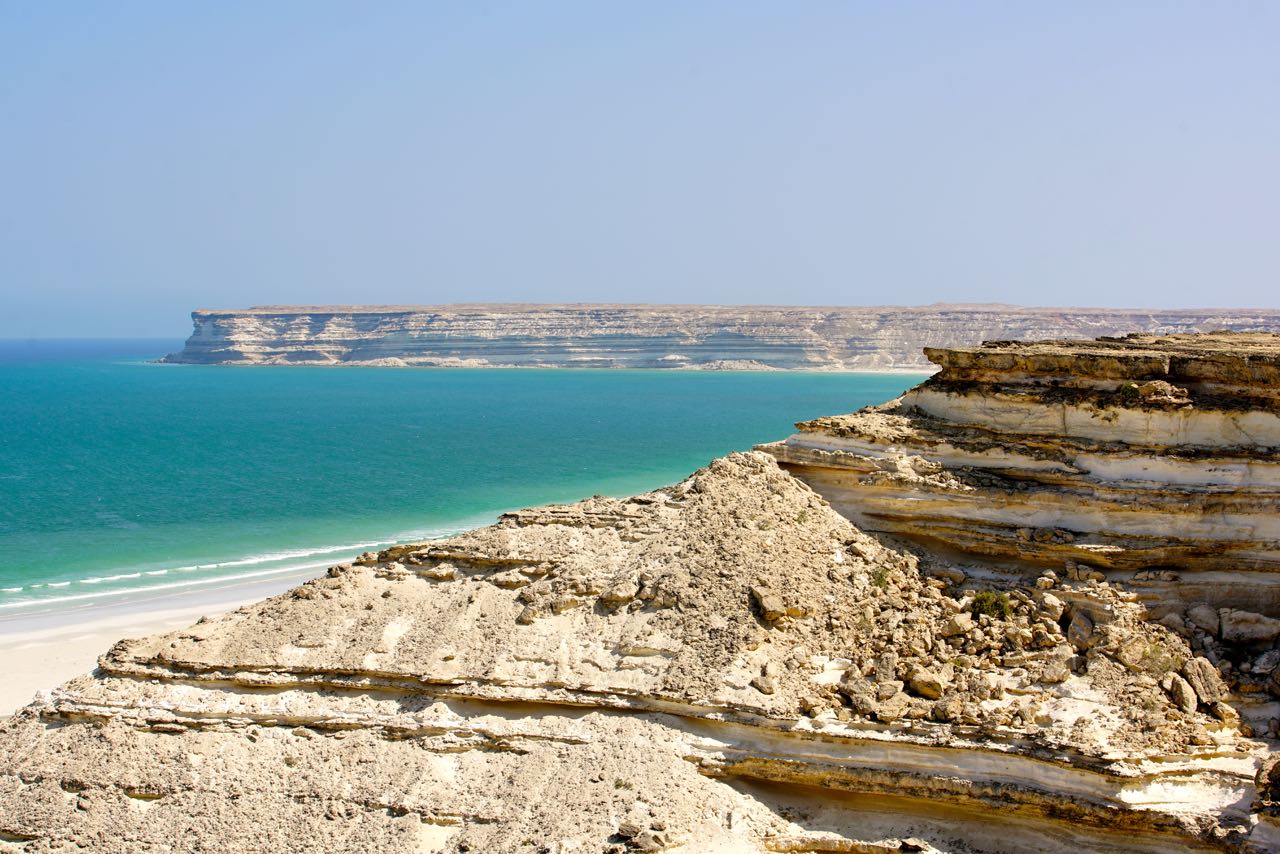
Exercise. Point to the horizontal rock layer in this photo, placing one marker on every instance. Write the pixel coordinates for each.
(644, 336)
(1149, 462)
(1147, 453)
(726, 665)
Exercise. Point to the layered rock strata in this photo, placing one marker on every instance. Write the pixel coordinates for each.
(1149, 462)
(725, 665)
(653, 336)
(1129, 457)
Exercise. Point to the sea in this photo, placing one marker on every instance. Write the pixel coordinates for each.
(121, 477)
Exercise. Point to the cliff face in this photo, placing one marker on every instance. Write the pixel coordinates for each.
(1150, 462)
(732, 665)
(1129, 455)
(606, 336)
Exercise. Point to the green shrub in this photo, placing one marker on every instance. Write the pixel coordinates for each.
(992, 604)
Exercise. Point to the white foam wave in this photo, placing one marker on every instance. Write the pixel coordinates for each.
(274, 557)
(231, 579)
(10, 589)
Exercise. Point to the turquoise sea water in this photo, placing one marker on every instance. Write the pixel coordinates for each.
(117, 474)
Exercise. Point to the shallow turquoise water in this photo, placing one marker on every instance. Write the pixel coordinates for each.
(117, 474)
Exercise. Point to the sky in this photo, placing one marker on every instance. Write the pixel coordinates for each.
(161, 157)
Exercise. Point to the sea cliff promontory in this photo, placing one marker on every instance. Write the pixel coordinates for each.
(1026, 607)
(657, 336)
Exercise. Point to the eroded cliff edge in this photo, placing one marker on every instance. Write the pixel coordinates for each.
(727, 664)
(655, 336)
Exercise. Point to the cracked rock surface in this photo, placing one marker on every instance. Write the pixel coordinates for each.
(727, 664)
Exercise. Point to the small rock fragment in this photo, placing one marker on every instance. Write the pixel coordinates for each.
(768, 603)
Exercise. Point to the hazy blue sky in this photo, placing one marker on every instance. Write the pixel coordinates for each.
(157, 157)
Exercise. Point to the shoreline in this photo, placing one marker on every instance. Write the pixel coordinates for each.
(39, 652)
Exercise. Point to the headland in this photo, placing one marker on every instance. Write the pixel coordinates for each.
(667, 337)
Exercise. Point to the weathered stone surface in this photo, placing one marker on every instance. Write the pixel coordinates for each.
(1182, 694)
(960, 624)
(1206, 618)
(927, 683)
(1080, 631)
(1204, 680)
(1247, 627)
(1147, 465)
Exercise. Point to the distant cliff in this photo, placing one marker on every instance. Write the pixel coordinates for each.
(657, 336)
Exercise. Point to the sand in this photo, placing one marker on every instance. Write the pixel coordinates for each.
(40, 651)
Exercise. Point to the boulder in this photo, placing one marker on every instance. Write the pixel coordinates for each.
(1055, 671)
(1267, 662)
(620, 593)
(893, 708)
(887, 667)
(765, 684)
(1225, 713)
(1051, 606)
(885, 690)
(1204, 679)
(927, 683)
(1080, 632)
(1247, 627)
(859, 693)
(1205, 618)
(947, 710)
(958, 624)
(1181, 692)
(768, 603)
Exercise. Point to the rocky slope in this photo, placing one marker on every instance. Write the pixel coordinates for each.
(731, 665)
(725, 665)
(654, 336)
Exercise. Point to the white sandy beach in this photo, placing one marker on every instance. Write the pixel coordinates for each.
(40, 651)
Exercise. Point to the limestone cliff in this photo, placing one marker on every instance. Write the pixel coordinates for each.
(926, 626)
(654, 336)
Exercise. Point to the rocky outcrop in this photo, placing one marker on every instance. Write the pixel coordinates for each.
(1148, 463)
(654, 336)
(725, 665)
(1150, 460)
